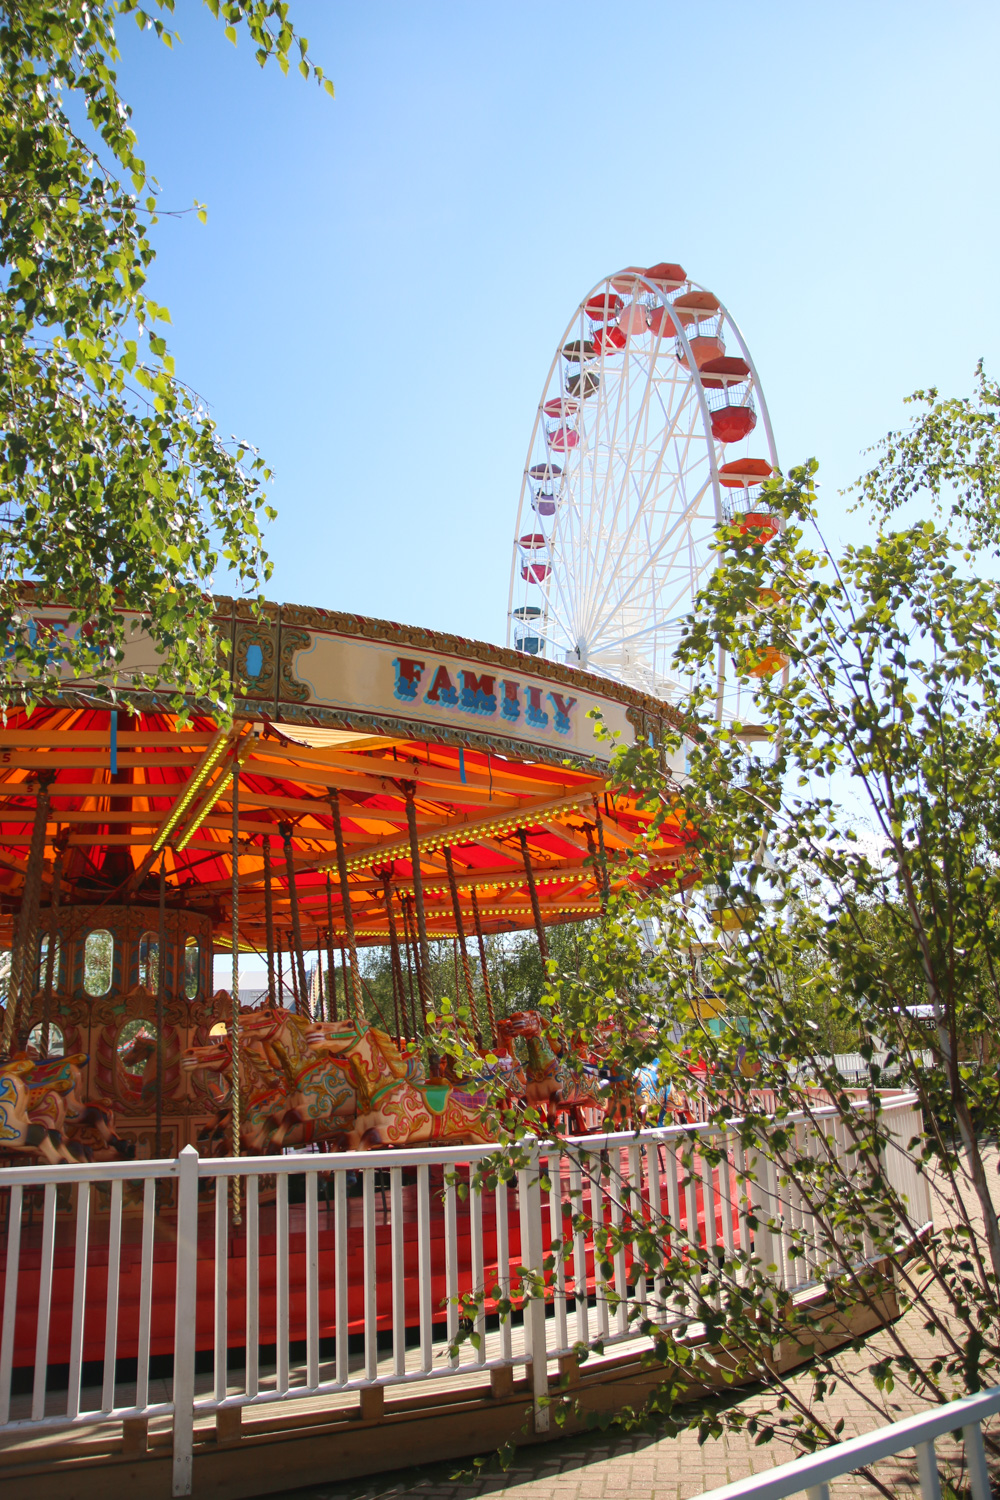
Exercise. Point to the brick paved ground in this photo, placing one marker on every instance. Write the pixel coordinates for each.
(616, 1466)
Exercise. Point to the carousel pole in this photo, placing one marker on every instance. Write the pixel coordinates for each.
(299, 962)
(409, 968)
(281, 977)
(487, 991)
(602, 857)
(424, 967)
(269, 919)
(331, 973)
(50, 952)
(21, 964)
(161, 974)
(397, 968)
(421, 987)
(295, 977)
(343, 980)
(345, 898)
(234, 1024)
(536, 910)
(460, 933)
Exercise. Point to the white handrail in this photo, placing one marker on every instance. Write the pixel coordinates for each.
(814, 1472)
(305, 1278)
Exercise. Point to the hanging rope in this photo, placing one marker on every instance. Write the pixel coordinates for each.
(331, 973)
(234, 1026)
(161, 975)
(55, 945)
(423, 968)
(22, 959)
(487, 990)
(269, 919)
(536, 910)
(298, 961)
(345, 898)
(460, 933)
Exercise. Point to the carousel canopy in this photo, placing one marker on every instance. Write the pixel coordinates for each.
(409, 735)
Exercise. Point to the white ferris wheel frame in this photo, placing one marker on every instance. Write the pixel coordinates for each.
(672, 348)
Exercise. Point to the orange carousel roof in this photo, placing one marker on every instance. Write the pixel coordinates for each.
(486, 741)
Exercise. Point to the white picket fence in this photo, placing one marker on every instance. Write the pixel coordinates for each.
(108, 1267)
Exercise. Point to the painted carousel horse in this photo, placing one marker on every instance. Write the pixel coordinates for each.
(320, 1101)
(18, 1132)
(556, 1082)
(288, 1095)
(93, 1129)
(393, 1111)
(508, 1072)
(262, 1100)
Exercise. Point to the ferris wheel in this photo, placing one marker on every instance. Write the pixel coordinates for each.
(651, 429)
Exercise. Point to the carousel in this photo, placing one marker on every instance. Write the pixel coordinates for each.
(376, 785)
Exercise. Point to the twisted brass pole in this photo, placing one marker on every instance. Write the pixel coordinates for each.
(50, 953)
(234, 1025)
(22, 958)
(345, 898)
(161, 972)
(536, 910)
(487, 988)
(331, 973)
(298, 961)
(460, 932)
(269, 919)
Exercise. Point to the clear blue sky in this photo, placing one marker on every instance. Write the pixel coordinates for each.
(378, 292)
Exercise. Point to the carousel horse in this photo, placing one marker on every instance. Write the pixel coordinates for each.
(321, 1102)
(393, 1111)
(56, 1089)
(93, 1129)
(262, 1100)
(508, 1072)
(555, 1084)
(138, 1068)
(18, 1133)
(58, 1102)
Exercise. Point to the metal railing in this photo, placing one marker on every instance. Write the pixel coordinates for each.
(813, 1473)
(365, 1269)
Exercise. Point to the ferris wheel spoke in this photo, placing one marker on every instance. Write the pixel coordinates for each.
(647, 504)
(645, 567)
(630, 521)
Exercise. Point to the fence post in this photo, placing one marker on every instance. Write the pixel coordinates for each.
(186, 1306)
(530, 1196)
(763, 1206)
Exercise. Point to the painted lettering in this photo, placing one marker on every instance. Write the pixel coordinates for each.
(477, 695)
(536, 716)
(408, 674)
(442, 689)
(562, 707)
(510, 703)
